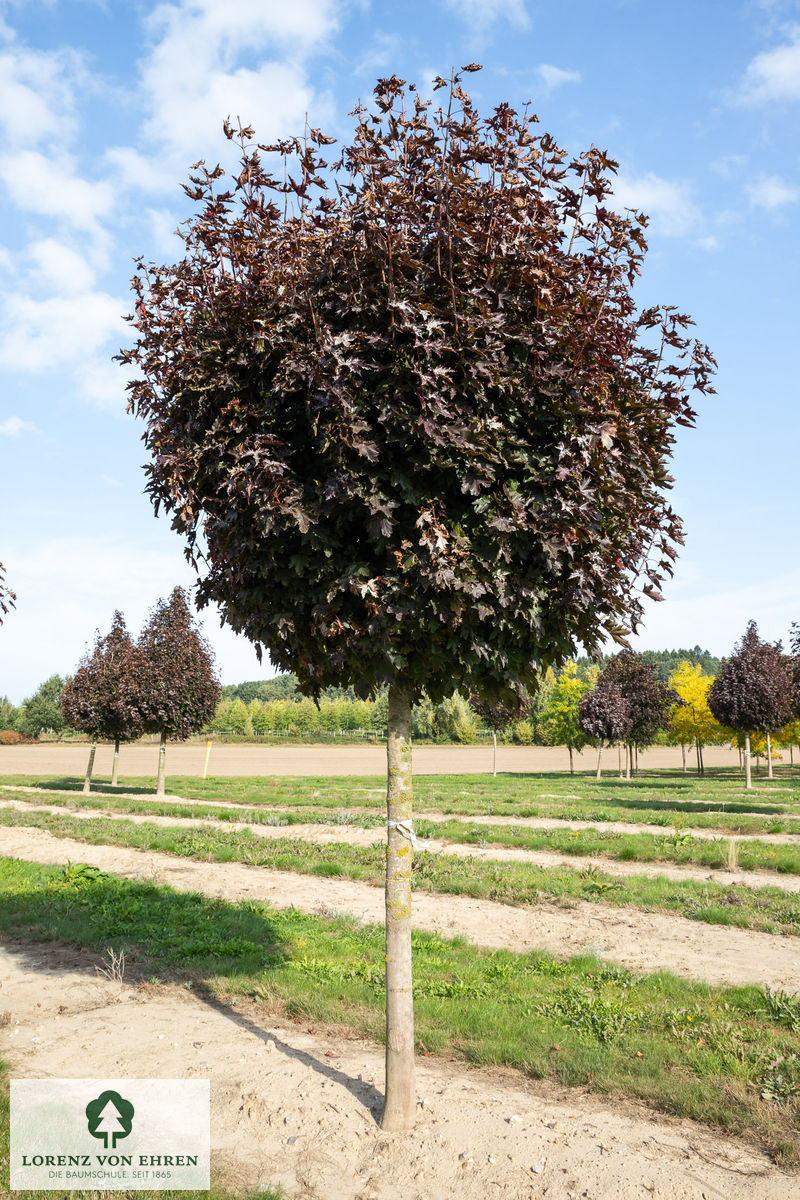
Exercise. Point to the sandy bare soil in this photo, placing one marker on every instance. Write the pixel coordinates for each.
(640, 940)
(296, 1107)
(354, 836)
(187, 759)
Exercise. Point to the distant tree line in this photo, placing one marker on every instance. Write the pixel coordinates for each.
(671, 697)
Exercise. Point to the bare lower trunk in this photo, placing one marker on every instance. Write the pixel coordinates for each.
(769, 757)
(791, 755)
(702, 761)
(87, 783)
(571, 762)
(697, 749)
(683, 756)
(494, 752)
(628, 760)
(400, 1105)
(636, 760)
(748, 782)
(599, 759)
(739, 748)
(161, 785)
(115, 767)
(619, 758)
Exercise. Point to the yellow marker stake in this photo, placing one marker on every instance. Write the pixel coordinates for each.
(208, 756)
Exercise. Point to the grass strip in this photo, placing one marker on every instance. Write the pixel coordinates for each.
(664, 798)
(766, 909)
(725, 1056)
(677, 847)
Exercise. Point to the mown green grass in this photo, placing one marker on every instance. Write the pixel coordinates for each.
(767, 909)
(718, 801)
(676, 846)
(729, 1057)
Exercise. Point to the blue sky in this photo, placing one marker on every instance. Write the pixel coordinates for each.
(103, 106)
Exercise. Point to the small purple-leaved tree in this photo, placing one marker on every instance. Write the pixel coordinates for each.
(753, 692)
(180, 690)
(605, 715)
(104, 696)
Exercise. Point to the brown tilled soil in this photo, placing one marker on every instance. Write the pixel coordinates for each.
(316, 760)
(642, 941)
(354, 836)
(295, 1107)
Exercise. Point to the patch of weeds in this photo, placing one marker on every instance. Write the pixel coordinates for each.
(596, 1016)
(780, 1080)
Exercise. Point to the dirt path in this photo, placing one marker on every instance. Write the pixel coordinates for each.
(642, 941)
(353, 835)
(326, 760)
(294, 1107)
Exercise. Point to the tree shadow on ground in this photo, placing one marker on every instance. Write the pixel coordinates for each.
(79, 913)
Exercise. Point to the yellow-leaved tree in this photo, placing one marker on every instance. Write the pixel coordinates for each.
(691, 721)
(789, 737)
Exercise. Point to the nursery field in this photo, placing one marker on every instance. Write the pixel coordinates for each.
(607, 973)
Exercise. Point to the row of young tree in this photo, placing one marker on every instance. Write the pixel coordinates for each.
(754, 699)
(163, 683)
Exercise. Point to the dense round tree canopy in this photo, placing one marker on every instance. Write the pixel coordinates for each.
(179, 687)
(403, 406)
(753, 690)
(605, 714)
(649, 699)
(104, 697)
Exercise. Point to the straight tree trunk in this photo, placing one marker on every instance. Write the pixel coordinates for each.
(683, 756)
(619, 758)
(87, 783)
(748, 782)
(494, 752)
(628, 760)
(161, 785)
(636, 760)
(571, 762)
(791, 755)
(741, 764)
(599, 759)
(115, 768)
(769, 757)
(702, 761)
(697, 749)
(400, 1104)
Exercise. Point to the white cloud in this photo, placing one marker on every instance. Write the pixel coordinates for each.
(60, 267)
(14, 427)
(553, 77)
(101, 382)
(773, 75)
(193, 76)
(51, 626)
(668, 202)
(772, 193)
(37, 93)
(481, 14)
(49, 186)
(57, 332)
(717, 619)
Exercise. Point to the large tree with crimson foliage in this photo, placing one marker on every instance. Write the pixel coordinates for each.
(104, 697)
(406, 414)
(649, 699)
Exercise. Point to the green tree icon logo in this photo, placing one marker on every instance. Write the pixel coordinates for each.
(109, 1117)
